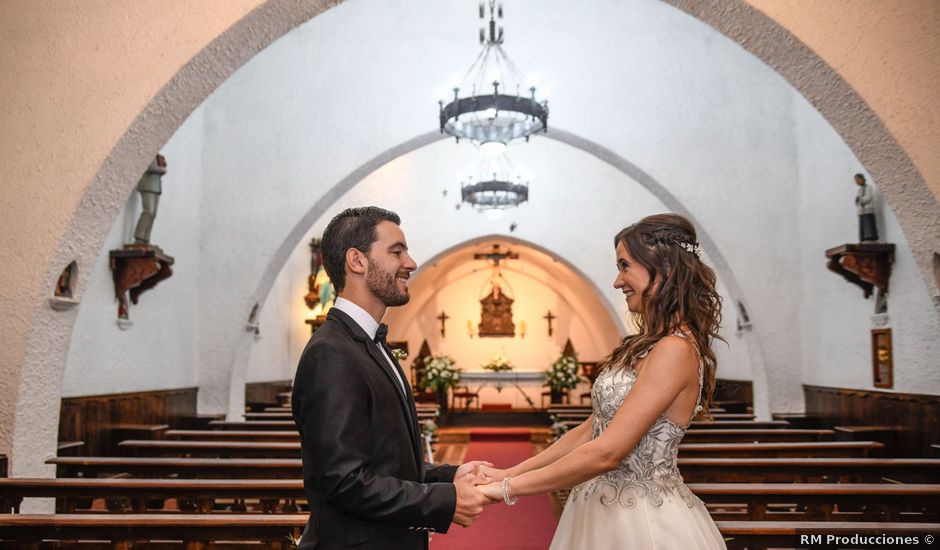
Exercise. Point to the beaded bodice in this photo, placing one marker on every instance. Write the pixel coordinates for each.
(651, 469)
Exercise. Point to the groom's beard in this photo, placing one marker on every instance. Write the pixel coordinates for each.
(384, 286)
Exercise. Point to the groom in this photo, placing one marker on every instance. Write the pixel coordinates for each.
(364, 475)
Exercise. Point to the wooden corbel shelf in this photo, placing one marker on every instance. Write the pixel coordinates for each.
(137, 268)
(865, 265)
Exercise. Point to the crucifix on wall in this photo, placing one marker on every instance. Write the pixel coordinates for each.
(443, 317)
(550, 318)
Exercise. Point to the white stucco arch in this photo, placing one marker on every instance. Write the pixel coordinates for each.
(648, 182)
(32, 432)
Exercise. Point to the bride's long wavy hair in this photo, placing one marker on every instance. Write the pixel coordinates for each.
(681, 293)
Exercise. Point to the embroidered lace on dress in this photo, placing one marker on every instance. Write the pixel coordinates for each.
(651, 470)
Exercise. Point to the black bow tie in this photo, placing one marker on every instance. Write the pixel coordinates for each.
(381, 334)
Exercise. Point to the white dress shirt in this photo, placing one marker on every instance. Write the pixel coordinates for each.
(370, 326)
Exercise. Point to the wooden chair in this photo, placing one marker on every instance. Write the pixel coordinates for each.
(466, 395)
(588, 370)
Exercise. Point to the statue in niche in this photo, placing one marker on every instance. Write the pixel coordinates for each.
(865, 207)
(496, 314)
(63, 286)
(150, 188)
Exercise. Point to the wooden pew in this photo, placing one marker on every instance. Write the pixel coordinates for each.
(284, 398)
(252, 416)
(234, 435)
(823, 501)
(691, 436)
(782, 450)
(128, 494)
(291, 449)
(807, 470)
(885, 434)
(749, 435)
(740, 424)
(158, 467)
(800, 420)
(122, 530)
(717, 425)
(233, 449)
(198, 421)
(733, 416)
(700, 470)
(69, 448)
(255, 425)
(786, 534)
(732, 406)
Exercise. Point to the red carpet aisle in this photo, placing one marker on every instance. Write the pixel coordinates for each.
(529, 525)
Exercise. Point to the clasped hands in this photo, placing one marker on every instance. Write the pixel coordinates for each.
(478, 484)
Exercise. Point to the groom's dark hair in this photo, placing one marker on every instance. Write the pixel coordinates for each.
(351, 228)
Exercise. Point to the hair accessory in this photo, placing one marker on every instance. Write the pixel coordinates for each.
(505, 485)
(691, 248)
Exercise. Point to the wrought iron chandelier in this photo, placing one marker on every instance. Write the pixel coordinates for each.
(493, 120)
(494, 187)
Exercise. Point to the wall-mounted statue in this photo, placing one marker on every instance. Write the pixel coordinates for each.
(149, 187)
(138, 267)
(865, 206)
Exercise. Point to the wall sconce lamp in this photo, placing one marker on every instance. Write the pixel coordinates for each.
(522, 328)
(470, 328)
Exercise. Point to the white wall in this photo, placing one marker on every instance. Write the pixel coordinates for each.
(835, 319)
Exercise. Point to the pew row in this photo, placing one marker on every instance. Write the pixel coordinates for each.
(138, 495)
(694, 435)
(196, 531)
(810, 501)
(123, 530)
(291, 449)
(822, 501)
(703, 470)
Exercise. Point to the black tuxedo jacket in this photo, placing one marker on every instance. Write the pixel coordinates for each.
(364, 476)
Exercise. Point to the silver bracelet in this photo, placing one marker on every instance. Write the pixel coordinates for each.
(506, 499)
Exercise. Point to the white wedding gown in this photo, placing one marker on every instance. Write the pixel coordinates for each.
(643, 504)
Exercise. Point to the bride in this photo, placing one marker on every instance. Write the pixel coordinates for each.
(622, 461)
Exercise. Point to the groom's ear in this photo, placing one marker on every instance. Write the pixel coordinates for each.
(356, 261)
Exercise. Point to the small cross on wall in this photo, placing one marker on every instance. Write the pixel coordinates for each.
(550, 318)
(443, 317)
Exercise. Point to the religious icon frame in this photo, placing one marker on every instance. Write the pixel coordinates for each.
(882, 358)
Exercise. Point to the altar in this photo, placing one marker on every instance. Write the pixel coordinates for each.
(477, 380)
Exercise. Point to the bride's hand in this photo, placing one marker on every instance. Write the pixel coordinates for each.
(492, 491)
(491, 473)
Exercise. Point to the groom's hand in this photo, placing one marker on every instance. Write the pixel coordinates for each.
(471, 468)
(492, 474)
(470, 500)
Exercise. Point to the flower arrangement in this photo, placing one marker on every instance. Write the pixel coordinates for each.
(498, 363)
(428, 428)
(399, 354)
(563, 373)
(559, 428)
(440, 373)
